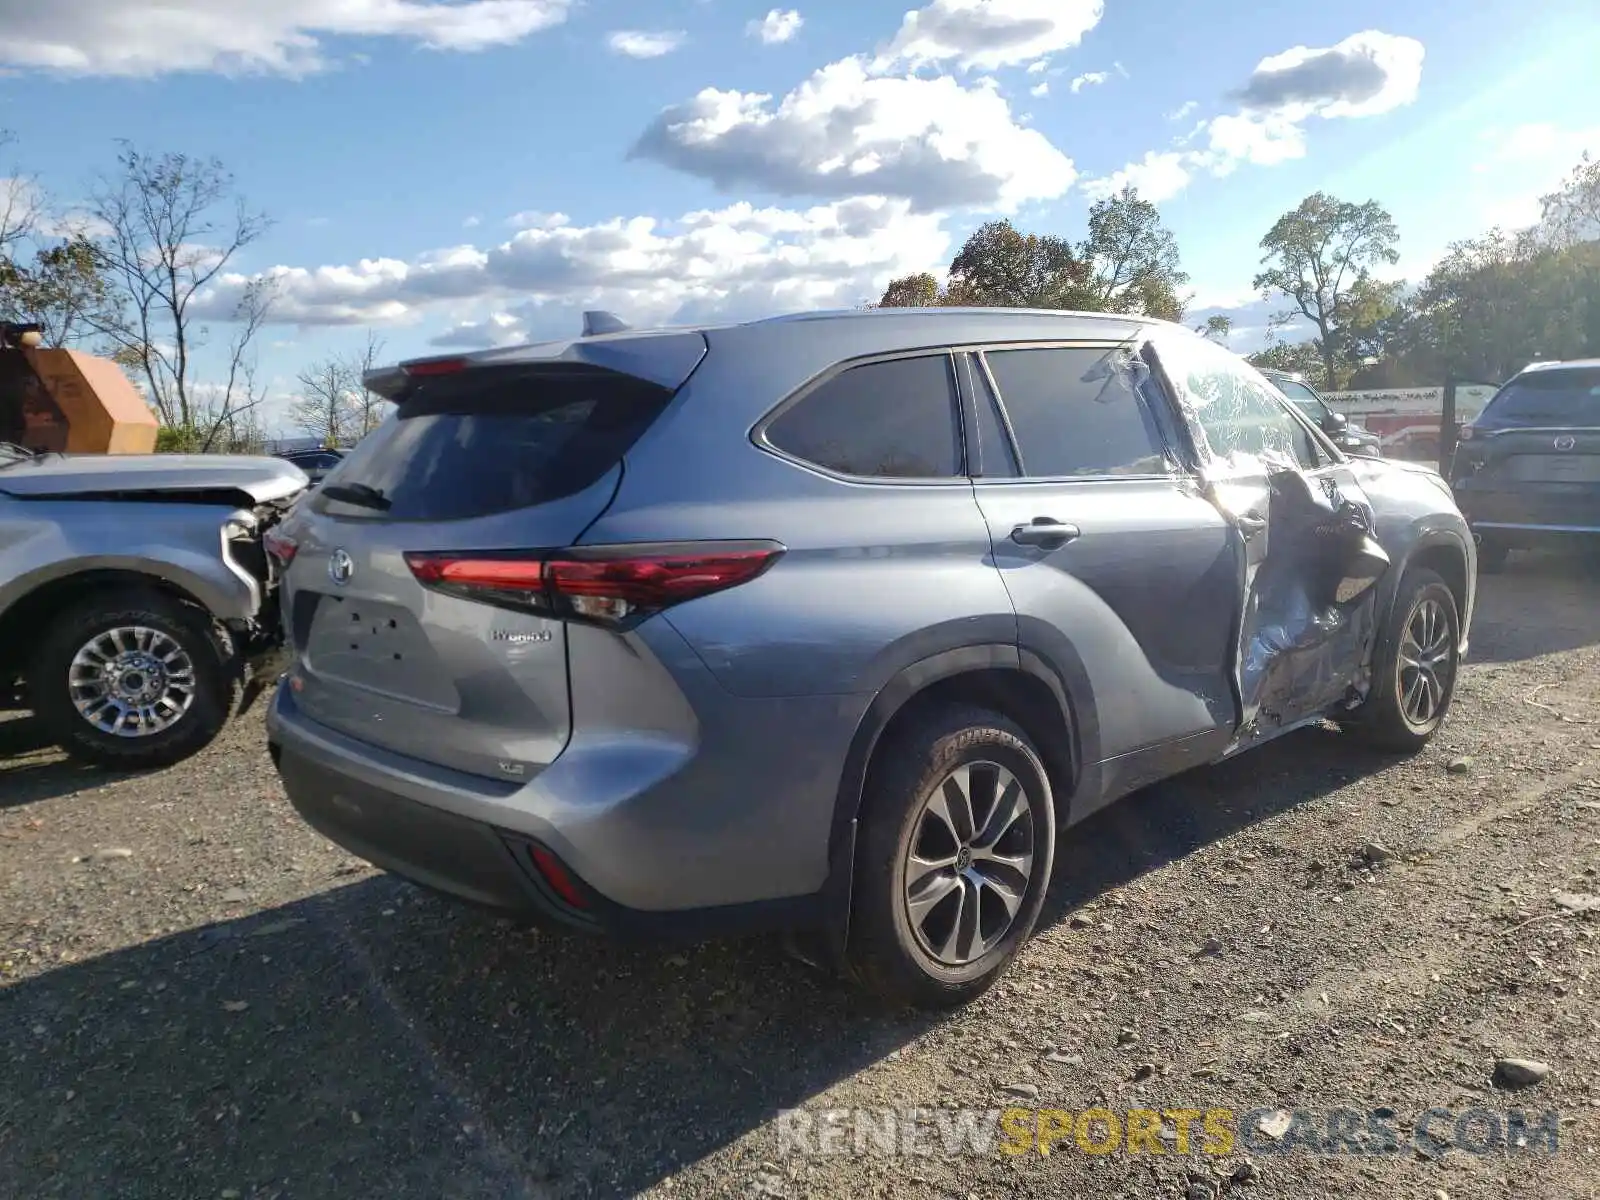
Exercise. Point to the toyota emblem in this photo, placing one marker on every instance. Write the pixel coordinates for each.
(340, 567)
(1566, 442)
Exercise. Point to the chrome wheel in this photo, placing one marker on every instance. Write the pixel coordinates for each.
(970, 862)
(1426, 663)
(132, 681)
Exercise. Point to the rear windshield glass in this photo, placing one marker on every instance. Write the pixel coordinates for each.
(491, 440)
(1561, 397)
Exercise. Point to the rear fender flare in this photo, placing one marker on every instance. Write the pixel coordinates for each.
(1069, 687)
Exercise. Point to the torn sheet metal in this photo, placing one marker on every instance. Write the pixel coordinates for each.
(1307, 556)
(1309, 620)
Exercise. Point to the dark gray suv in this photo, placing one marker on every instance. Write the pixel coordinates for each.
(834, 621)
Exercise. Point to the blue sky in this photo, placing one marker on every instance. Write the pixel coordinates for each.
(479, 172)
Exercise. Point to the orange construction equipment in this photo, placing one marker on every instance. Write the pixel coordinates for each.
(66, 401)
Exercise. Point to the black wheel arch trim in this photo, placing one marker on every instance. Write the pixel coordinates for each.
(1075, 710)
(1424, 542)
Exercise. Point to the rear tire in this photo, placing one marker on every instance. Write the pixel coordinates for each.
(91, 662)
(937, 917)
(1414, 668)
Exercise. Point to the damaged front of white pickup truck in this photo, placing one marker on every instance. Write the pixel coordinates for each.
(135, 595)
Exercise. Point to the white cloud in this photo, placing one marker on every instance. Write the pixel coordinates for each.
(733, 262)
(497, 329)
(847, 132)
(1089, 79)
(642, 43)
(1264, 140)
(1365, 75)
(1158, 176)
(535, 219)
(988, 34)
(1183, 110)
(779, 25)
(1040, 89)
(1039, 67)
(134, 38)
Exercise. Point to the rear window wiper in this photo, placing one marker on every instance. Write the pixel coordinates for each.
(360, 494)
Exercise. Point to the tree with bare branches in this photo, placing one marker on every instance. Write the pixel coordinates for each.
(171, 223)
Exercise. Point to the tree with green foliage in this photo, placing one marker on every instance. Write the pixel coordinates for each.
(1320, 256)
(1217, 328)
(1127, 263)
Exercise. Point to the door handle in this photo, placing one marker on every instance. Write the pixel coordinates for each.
(1250, 523)
(1046, 532)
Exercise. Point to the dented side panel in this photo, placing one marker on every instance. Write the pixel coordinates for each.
(1303, 533)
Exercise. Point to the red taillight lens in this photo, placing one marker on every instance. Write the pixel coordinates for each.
(280, 546)
(603, 584)
(555, 874)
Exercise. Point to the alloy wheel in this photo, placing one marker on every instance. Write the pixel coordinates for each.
(132, 681)
(1426, 663)
(969, 864)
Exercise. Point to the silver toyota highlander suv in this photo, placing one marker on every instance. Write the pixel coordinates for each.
(834, 621)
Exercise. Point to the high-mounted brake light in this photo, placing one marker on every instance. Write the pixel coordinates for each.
(280, 546)
(608, 584)
(434, 366)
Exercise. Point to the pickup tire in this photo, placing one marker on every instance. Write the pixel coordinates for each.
(133, 679)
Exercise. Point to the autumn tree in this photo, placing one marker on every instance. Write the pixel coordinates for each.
(1320, 256)
(1128, 263)
(171, 224)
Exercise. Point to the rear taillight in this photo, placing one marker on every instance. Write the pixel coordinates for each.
(280, 546)
(612, 584)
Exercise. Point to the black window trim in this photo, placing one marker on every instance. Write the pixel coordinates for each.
(964, 438)
(1174, 455)
(972, 397)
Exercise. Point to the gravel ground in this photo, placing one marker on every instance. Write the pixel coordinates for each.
(201, 998)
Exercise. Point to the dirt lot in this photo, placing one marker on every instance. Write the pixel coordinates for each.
(199, 997)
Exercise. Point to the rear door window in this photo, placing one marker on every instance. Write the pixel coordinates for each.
(896, 419)
(491, 440)
(1077, 411)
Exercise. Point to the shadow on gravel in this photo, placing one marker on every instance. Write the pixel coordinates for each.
(25, 782)
(377, 1040)
(1169, 820)
(1542, 603)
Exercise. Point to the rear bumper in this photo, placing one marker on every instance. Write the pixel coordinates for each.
(450, 832)
(1530, 511)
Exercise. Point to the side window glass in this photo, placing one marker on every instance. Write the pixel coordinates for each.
(895, 419)
(1240, 413)
(1076, 410)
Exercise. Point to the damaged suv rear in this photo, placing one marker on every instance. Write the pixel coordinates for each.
(134, 592)
(831, 622)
